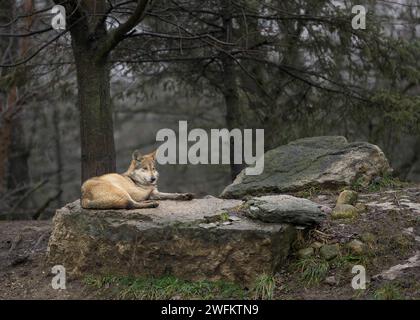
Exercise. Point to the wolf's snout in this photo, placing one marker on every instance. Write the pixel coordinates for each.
(152, 179)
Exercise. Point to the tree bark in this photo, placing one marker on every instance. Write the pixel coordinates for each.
(18, 170)
(92, 44)
(96, 122)
(230, 89)
(233, 110)
(58, 156)
(14, 153)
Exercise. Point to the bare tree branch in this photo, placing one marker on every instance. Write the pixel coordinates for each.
(117, 35)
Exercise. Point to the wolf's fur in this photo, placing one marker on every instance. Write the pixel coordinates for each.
(134, 189)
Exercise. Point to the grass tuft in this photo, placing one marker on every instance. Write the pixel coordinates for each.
(224, 216)
(387, 181)
(165, 288)
(309, 192)
(388, 291)
(264, 287)
(313, 270)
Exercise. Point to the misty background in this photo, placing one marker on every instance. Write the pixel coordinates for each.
(304, 77)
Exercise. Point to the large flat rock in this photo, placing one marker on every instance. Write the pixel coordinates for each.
(328, 162)
(194, 240)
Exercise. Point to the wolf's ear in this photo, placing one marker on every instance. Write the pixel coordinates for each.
(137, 155)
(153, 154)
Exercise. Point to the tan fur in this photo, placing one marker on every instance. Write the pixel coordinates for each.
(134, 189)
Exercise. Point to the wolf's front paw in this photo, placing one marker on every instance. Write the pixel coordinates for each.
(151, 203)
(186, 196)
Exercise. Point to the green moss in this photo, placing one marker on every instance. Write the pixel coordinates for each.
(344, 211)
(309, 192)
(224, 216)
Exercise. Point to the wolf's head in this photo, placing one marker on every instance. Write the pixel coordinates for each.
(142, 169)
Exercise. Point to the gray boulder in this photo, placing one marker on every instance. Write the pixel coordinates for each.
(327, 162)
(284, 209)
(202, 239)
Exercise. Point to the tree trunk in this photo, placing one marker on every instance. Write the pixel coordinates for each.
(14, 153)
(233, 110)
(230, 89)
(58, 156)
(5, 133)
(18, 175)
(96, 123)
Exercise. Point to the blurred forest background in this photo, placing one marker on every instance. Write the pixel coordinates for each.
(295, 68)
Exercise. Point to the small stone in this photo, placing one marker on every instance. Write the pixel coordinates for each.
(208, 225)
(409, 231)
(325, 209)
(344, 211)
(332, 281)
(305, 253)
(316, 245)
(330, 251)
(356, 246)
(234, 218)
(347, 197)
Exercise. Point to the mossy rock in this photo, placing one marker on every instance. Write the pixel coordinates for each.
(347, 197)
(306, 252)
(330, 251)
(344, 211)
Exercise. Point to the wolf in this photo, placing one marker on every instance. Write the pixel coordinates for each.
(134, 189)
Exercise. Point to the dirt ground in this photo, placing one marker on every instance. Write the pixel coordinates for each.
(23, 274)
(391, 218)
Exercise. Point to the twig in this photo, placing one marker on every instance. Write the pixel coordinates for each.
(28, 193)
(37, 214)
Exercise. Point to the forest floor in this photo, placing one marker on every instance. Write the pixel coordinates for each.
(389, 229)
